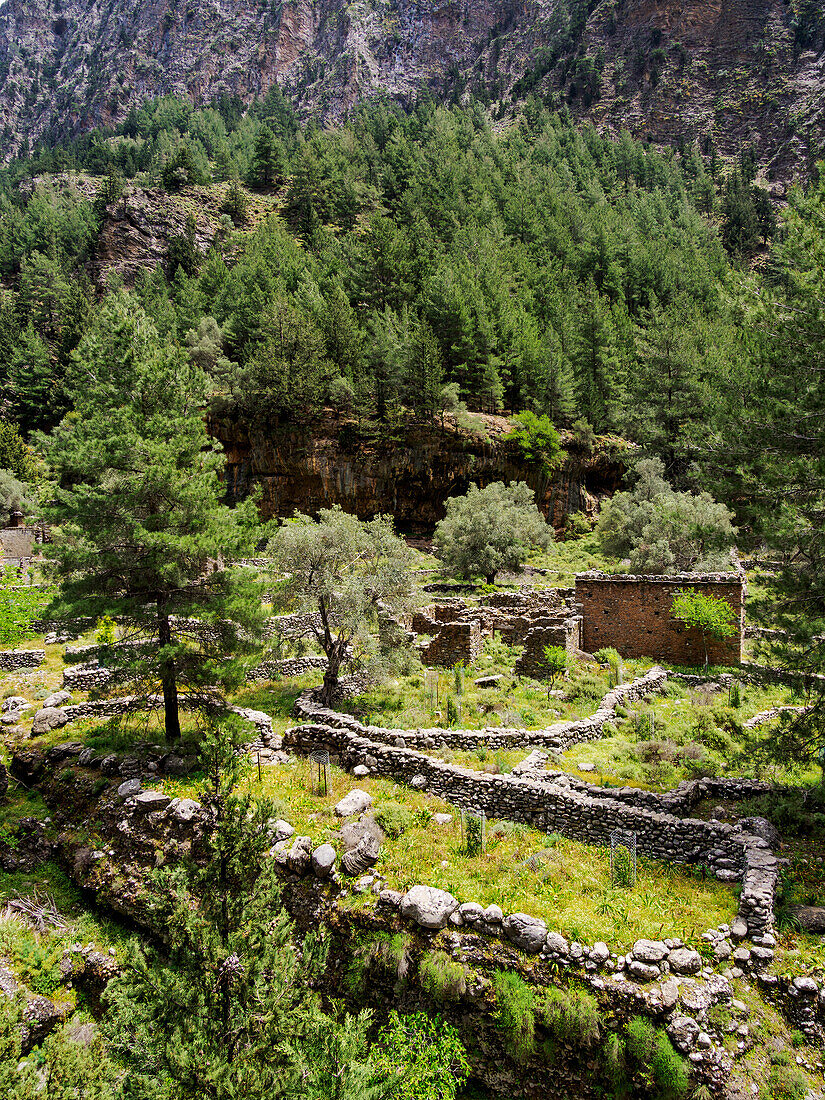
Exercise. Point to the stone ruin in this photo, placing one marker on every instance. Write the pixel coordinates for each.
(528, 618)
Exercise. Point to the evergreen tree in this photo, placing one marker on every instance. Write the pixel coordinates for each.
(226, 1009)
(595, 360)
(141, 533)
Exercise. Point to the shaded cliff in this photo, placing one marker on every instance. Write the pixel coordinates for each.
(411, 475)
(734, 72)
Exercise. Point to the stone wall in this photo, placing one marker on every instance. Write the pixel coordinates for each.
(633, 615)
(565, 633)
(13, 659)
(455, 642)
(17, 544)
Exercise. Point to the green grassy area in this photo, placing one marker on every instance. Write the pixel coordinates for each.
(562, 881)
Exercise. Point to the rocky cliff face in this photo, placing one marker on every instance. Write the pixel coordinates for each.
(736, 71)
(307, 468)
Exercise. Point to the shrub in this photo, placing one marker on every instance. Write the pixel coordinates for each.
(650, 1057)
(383, 951)
(395, 819)
(572, 1016)
(423, 1057)
(786, 1083)
(441, 977)
(514, 1014)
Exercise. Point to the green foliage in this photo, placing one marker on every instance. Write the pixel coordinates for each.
(489, 529)
(14, 497)
(135, 396)
(786, 1083)
(106, 631)
(515, 1012)
(441, 977)
(345, 570)
(394, 818)
(572, 1016)
(422, 1058)
(710, 614)
(645, 1061)
(20, 607)
(15, 456)
(537, 439)
(663, 531)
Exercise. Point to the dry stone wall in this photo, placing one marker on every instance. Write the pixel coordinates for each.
(13, 659)
(633, 615)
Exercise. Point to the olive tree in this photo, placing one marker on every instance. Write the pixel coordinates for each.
(344, 571)
(490, 529)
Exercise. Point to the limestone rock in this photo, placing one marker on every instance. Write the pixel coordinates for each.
(128, 788)
(493, 914)
(282, 830)
(418, 782)
(684, 1031)
(184, 810)
(49, 718)
(556, 944)
(600, 953)
(353, 803)
(299, 856)
(14, 702)
(685, 961)
(525, 932)
(391, 898)
(56, 699)
(471, 911)
(759, 826)
(360, 770)
(362, 856)
(428, 907)
(148, 802)
(649, 951)
(442, 819)
(323, 860)
(811, 918)
(643, 972)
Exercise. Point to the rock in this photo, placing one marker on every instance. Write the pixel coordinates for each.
(391, 898)
(471, 912)
(642, 972)
(177, 765)
(684, 961)
(442, 819)
(418, 782)
(282, 830)
(354, 831)
(722, 949)
(556, 944)
(525, 932)
(670, 994)
(806, 986)
(739, 928)
(649, 951)
(488, 681)
(184, 809)
(148, 802)
(299, 856)
(49, 718)
(353, 803)
(684, 1031)
(56, 699)
(811, 918)
(703, 1040)
(362, 856)
(759, 826)
(128, 788)
(741, 956)
(493, 914)
(40, 1016)
(360, 770)
(323, 861)
(14, 702)
(586, 767)
(600, 953)
(428, 907)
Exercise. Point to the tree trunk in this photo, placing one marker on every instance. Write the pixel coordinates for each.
(171, 716)
(330, 688)
(491, 578)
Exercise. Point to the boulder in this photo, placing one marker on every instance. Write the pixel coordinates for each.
(641, 972)
(670, 994)
(363, 855)
(353, 803)
(49, 718)
(282, 830)
(57, 699)
(739, 928)
(184, 809)
(391, 898)
(649, 951)
(600, 953)
(418, 782)
(360, 771)
(494, 914)
(525, 932)
(14, 702)
(128, 788)
(428, 907)
(811, 918)
(685, 961)
(684, 1031)
(442, 819)
(148, 802)
(471, 911)
(299, 856)
(556, 944)
(323, 861)
(759, 826)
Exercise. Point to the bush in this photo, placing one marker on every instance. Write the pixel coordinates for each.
(441, 977)
(537, 439)
(424, 1058)
(650, 1058)
(572, 1016)
(514, 1014)
(395, 819)
(382, 951)
(786, 1083)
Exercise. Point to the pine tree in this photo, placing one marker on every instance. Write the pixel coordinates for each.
(226, 1010)
(141, 533)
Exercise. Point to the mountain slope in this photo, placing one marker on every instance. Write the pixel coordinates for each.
(737, 72)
